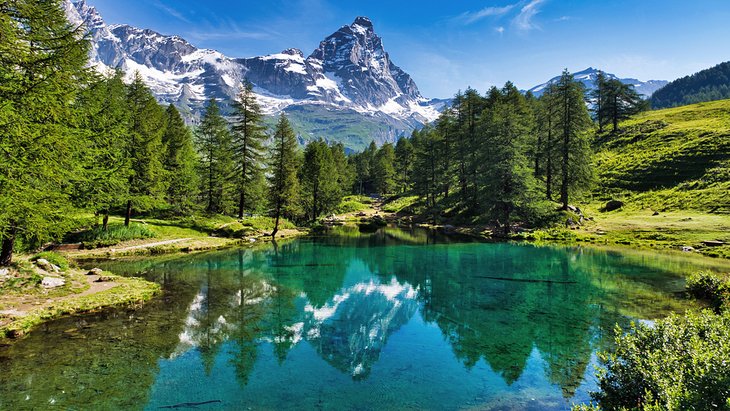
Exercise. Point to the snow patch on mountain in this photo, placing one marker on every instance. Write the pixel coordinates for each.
(589, 76)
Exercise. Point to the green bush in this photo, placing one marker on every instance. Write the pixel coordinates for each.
(712, 287)
(399, 204)
(53, 258)
(680, 363)
(115, 234)
(350, 206)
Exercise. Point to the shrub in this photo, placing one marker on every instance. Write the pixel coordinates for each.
(712, 287)
(53, 258)
(350, 206)
(681, 363)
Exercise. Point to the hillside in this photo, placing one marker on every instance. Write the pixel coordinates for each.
(670, 159)
(707, 85)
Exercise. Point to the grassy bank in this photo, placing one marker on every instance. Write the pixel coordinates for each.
(27, 300)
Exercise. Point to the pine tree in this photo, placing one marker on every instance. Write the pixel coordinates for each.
(106, 172)
(547, 134)
(345, 168)
(144, 149)
(283, 182)
(321, 190)
(383, 170)
(621, 102)
(508, 181)
(248, 138)
(42, 69)
(216, 161)
(599, 95)
(403, 163)
(573, 122)
(180, 162)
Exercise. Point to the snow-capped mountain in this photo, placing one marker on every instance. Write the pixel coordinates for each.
(588, 78)
(349, 73)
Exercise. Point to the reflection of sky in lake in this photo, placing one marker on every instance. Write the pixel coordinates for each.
(345, 322)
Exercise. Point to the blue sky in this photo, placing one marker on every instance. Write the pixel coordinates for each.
(449, 45)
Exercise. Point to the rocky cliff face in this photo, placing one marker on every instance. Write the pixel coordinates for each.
(349, 72)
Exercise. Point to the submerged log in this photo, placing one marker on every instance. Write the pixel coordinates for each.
(525, 280)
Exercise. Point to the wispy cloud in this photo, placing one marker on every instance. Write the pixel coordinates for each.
(171, 11)
(524, 21)
(492, 11)
(521, 14)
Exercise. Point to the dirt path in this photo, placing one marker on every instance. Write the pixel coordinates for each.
(148, 245)
(23, 305)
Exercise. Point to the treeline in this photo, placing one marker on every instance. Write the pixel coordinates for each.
(73, 141)
(500, 157)
(706, 85)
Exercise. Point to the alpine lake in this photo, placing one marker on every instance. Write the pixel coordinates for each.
(385, 319)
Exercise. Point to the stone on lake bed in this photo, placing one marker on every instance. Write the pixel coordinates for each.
(46, 265)
(53, 282)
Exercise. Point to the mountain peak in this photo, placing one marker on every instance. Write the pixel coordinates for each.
(363, 22)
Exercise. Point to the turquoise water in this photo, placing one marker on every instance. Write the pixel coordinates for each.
(389, 320)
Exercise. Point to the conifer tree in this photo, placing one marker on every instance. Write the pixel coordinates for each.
(403, 163)
(106, 165)
(345, 168)
(42, 70)
(508, 181)
(383, 169)
(145, 149)
(283, 182)
(573, 122)
(180, 162)
(248, 138)
(321, 190)
(216, 167)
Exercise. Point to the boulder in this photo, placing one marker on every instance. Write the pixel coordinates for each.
(104, 279)
(655, 213)
(687, 249)
(713, 243)
(44, 264)
(613, 205)
(95, 271)
(4, 272)
(53, 282)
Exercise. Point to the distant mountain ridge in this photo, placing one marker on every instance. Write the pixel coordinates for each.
(588, 78)
(706, 85)
(348, 73)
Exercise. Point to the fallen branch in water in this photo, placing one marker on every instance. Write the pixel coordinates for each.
(524, 280)
(189, 404)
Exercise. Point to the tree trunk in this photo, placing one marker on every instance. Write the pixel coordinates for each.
(8, 243)
(128, 214)
(276, 222)
(240, 204)
(105, 221)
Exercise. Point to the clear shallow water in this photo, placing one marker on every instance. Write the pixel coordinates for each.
(389, 320)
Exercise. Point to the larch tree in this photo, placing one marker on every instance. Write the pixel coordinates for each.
(216, 160)
(180, 162)
(283, 182)
(573, 123)
(321, 190)
(403, 163)
(248, 139)
(145, 149)
(42, 70)
(106, 165)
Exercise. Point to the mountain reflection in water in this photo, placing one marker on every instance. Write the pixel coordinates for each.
(391, 319)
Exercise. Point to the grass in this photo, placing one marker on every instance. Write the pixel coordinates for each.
(398, 204)
(128, 291)
(53, 258)
(668, 160)
(115, 233)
